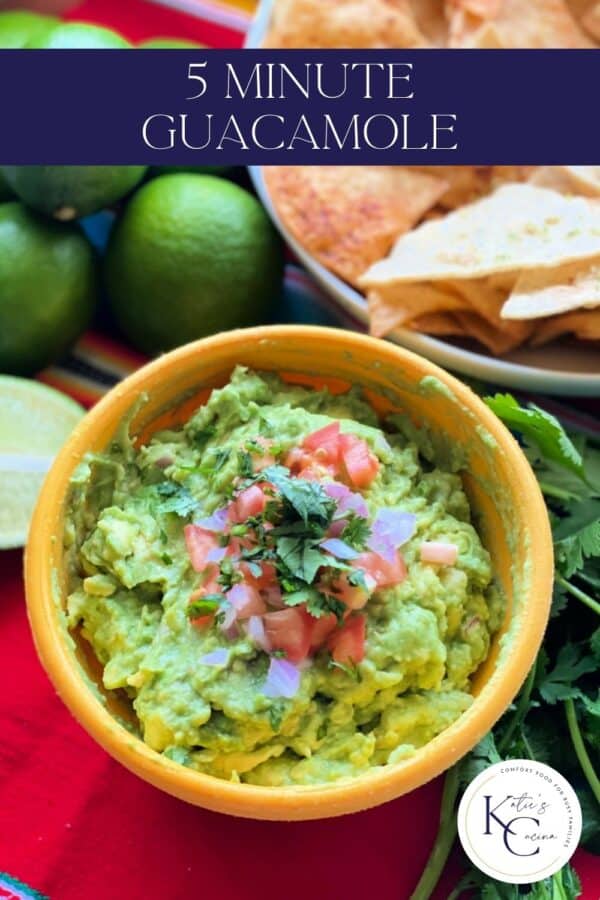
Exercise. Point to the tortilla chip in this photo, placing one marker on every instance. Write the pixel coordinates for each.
(398, 307)
(518, 227)
(496, 340)
(517, 24)
(579, 8)
(585, 178)
(440, 324)
(467, 17)
(554, 178)
(465, 183)
(349, 216)
(552, 291)
(431, 21)
(591, 21)
(584, 325)
(487, 37)
(581, 180)
(486, 298)
(351, 24)
(465, 324)
(469, 183)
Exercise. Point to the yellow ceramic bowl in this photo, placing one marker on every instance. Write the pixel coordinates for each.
(509, 513)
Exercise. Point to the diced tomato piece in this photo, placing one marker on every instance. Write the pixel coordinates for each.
(354, 596)
(262, 460)
(320, 629)
(360, 464)
(288, 630)
(314, 471)
(324, 443)
(273, 597)
(199, 542)
(250, 502)
(297, 459)
(265, 580)
(246, 600)
(384, 572)
(347, 644)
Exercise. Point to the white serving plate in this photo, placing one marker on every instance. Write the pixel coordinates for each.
(562, 368)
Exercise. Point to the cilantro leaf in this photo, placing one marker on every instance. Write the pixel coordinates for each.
(276, 714)
(541, 428)
(201, 436)
(580, 516)
(307, 499)
(571, 663)
(325, 604)
(572, 552)
(357, 532)
(245, 467)
(300, 557)
(484, 754)
(177, 499)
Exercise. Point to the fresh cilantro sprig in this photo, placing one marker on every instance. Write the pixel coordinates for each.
(175, 498)
(357, 531)
(556, 717)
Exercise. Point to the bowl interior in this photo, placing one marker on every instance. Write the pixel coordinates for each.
(504, 499)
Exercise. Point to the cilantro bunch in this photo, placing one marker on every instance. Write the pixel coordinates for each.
(556, 717)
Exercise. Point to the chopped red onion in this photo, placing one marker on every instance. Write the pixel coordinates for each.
(255, 630)
(219, 657)
(283, 679)
(228, 623)
(337, 526)
(216, 554)
(215, 522)
(339, 548)
(237, 595)
(346, 500)
(391, 529)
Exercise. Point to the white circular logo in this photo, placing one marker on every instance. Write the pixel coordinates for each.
(519, 821)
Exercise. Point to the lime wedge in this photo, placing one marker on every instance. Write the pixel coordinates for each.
(35, 421)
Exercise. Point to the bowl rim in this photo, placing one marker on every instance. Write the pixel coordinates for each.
(55, 646)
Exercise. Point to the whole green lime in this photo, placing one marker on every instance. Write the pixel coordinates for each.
(79, 36)
(47, 289)
(69, 192)
(199, 170)
(18, 28)
(166, 43)
(192, 255)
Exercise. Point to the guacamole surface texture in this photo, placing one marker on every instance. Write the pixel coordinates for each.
(285, 590)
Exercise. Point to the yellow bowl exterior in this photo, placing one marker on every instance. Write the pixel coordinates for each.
(509, 513)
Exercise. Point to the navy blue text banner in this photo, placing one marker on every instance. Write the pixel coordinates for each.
(208, 107)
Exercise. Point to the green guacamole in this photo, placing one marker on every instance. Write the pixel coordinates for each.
(131, 583)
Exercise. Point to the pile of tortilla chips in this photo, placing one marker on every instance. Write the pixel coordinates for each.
(435, 23)
(521, 264)
(501, 254)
